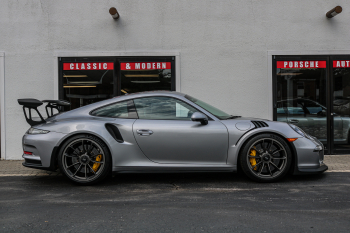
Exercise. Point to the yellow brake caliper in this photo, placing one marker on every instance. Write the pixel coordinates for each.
(253, 160)
(97, 165)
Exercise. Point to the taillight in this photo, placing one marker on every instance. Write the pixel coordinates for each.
(27, 153)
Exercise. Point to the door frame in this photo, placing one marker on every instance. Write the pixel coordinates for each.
(330, 132)
(2, 106)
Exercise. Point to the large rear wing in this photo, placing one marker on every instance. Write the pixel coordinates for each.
(33, 104)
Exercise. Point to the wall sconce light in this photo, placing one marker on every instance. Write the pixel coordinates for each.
(113, 11)
(336, 10)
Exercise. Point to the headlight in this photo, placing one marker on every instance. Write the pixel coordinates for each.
(299, 131)
(37, 131)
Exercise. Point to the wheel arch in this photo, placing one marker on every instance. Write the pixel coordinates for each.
(56, 149)
(290, 144)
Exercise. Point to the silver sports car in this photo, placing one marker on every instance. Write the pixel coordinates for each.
(163, 131)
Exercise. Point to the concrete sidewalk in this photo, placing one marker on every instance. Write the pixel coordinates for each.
(335, 163)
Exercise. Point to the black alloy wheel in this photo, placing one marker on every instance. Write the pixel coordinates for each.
(84, 159)
(266, 158)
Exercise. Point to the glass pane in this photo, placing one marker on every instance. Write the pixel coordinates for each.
(301, 98)
(87, 82)
(163, 108)
(341, 106)
(119, 110)
(145, 76)
(215, 111)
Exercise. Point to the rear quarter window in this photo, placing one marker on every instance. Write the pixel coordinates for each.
(116, 110)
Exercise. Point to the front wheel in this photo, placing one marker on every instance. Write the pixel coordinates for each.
(266, 158)
(84, 159)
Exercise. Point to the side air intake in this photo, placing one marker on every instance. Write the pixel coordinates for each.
(260, 124)
(115, 133)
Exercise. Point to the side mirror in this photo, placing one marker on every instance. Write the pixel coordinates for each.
(197, 116)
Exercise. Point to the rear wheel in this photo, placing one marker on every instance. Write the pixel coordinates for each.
(84, 159)
(266, 158)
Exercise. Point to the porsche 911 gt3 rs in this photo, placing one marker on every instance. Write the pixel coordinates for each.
(163, 131)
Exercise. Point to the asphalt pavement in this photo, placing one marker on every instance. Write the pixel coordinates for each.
(196, 202)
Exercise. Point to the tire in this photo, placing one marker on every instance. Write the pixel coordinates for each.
(271, 160)
(85, 159)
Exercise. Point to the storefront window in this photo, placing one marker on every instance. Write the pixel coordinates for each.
(313, 92)
(301, 96)
(88, 80)
(341, 104)
(145, 76)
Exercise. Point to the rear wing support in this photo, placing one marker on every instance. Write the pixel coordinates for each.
(33, 104)
(55, 104)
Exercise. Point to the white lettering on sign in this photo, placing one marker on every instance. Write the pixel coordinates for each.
(301, 64)
(88, 66)
(145, 65)
(341, 64)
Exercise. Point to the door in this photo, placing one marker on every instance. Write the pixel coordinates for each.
(301, 94)
(340, 95)
(166, 134)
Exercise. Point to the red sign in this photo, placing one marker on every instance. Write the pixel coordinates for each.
(301, 64)
(341, 64)
(145, 65)
(88, 66)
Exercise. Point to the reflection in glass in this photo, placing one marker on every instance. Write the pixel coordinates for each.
(145, 80)
(163, 108)
(301, 100)
(341, 108)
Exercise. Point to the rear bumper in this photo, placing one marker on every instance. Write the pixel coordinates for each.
(37, 166)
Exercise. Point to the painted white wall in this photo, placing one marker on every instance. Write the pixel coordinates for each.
(223, 44)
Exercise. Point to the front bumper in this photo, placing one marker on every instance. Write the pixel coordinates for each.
(310, 156)
(321, 169)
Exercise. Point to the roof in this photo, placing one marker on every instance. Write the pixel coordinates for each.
(154, 92)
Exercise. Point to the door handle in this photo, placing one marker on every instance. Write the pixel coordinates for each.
(144, 132)
(293, 121)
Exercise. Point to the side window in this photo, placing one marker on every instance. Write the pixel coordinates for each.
(294, 107)
(119, 110)
(280, 107)
(163, 108)
(312, 107)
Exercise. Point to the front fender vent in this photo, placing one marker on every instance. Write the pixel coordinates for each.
(260, 124)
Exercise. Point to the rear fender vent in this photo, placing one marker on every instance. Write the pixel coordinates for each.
(260, 124)
(114, 132)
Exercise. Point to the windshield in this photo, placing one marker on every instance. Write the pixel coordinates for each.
(216, 112)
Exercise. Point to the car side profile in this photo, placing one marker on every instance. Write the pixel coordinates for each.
(164, 131)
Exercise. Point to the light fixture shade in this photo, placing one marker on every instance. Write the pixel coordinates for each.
(335, 11)
(113, 11)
